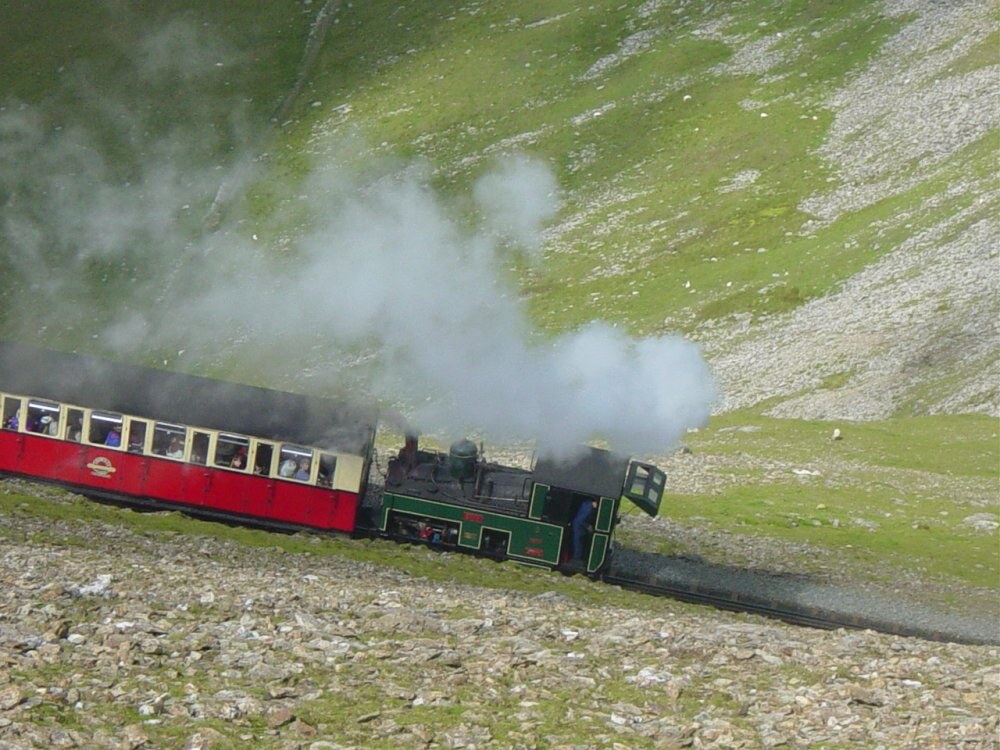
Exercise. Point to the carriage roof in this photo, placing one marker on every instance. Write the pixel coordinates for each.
(189, 399)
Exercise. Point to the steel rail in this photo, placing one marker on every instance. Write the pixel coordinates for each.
(806, 617)
(733, 603)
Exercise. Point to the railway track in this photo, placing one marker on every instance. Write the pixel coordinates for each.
(734, 603)
(902, 622)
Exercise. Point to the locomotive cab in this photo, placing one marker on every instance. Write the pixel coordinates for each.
(581, 495)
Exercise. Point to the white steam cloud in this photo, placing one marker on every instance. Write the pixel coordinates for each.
(516, 200)
(382, 270)
(390, 268)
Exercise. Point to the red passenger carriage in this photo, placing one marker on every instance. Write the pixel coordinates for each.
(171, 440)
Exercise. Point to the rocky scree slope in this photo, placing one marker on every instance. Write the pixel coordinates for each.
(115, 639)
(918, 328)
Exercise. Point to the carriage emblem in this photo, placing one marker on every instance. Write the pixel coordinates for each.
(101, 467)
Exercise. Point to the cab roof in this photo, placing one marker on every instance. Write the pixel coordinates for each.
(593, 472)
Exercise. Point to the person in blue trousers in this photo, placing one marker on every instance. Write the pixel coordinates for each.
(582, 519)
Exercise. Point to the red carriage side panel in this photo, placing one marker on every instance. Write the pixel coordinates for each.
(232, 492)
(117, 473)
(70, 463)
(11, 444)
(173, 481)
(293, 503)
(343, 510)
(258, 497)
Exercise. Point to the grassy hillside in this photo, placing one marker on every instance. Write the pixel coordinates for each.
(649, 119)
(906, 503)
(808, 189)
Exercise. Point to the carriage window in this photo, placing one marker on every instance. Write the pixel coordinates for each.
(327, 465)
(43, 417)
(136, 436)
(295, 462)
(169, 439)
(262, 458)
(74, 424)
(105, 429)
(199, 447)
(11, 413)
(231, 451)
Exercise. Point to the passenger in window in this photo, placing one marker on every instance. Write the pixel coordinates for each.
(75, 430)
(50, 426)
(12, 423)
(303, 473)
(175, 449)
(239, 459)
(287, 469)
(114, 437)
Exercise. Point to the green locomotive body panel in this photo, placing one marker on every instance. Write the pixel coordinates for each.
(529, 540)
(539, 493)
(598, 551)
(606, 513)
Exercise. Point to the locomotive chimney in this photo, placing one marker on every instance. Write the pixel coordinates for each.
(408, 455)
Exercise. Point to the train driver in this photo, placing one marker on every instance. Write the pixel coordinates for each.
(581, 522)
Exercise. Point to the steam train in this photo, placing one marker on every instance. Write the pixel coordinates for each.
(164, 440)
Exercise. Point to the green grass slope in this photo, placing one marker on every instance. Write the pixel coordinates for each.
(909, 504)
(647, 118)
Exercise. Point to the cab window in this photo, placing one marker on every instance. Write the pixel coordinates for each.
(105, 429)
(645, 486)
(231, 451)
(640, 475)
(295, 462)
(169, 440)
(11, 413)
